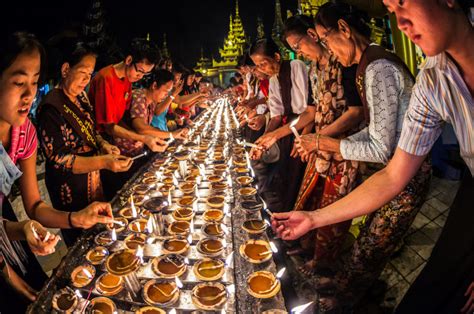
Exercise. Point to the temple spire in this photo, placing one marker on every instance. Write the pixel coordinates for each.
(237, 8)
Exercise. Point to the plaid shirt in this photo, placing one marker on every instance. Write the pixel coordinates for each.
(440, 95)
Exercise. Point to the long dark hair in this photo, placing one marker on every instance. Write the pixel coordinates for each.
(16, 44)
(330, 13)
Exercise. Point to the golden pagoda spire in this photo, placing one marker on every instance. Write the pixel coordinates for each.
(237, 8)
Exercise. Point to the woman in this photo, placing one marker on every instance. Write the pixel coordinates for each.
(288, 98)
(384, 84)
(338, 113)
(74, 152)
(21, 56)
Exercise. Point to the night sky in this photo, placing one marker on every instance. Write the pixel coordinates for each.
(189, 25)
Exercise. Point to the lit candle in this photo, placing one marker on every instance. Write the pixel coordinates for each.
(134, 209)
(114, 235)
(179, 284)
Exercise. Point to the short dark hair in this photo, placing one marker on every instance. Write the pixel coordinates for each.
(141, 49)
(76, 52)
(298, 25)
(330, 13)
(264, 46)
(198, 74)
(158, 76)
(178, 68)
(245, 60)
(16, 44)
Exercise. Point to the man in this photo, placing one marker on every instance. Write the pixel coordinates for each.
(443, 93)
(110, 93)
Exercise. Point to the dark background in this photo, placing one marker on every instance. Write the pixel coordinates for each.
(189, 25)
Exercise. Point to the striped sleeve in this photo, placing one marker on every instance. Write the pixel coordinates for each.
(28, 140)
(422, 125)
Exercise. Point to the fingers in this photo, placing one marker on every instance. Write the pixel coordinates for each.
(469, 306)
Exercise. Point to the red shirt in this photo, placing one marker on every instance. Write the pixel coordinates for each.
(264, 87)
(110, 96)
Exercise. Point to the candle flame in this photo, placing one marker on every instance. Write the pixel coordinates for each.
(186, 261)
(149, 225)
(191, 226)
(132, 205)
(87, 273)
(179, 284)
(299, 309)
(139, 253)
(231, 288)
(281, 272)
(224, 243)
(190, 239)
(114, 235)
(78, 293)
(229, 259)
(273, 247)
(169, 198)
(225, 229)
(172, 311)
(175, 181)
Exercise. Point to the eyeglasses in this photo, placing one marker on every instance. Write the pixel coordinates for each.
(323, 40)
(140, 70)
(296, 47)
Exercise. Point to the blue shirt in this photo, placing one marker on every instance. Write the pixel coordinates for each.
(159, 121)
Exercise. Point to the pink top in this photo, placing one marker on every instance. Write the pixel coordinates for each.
(23, 142)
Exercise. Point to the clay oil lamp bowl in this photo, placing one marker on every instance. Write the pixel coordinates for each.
(150, 181)
(97, 255)
(215, 201)
(145, 214)
(158, 163)
(256, 251)
(82, 275)
(214, 178)
(173, 166)
(209, 269)
(179, 228)
(254, 226)
(141, 189)
(244, 180)
(263, 285)
(127, 213)
(239, 162)
(122, 263)
(150, 310)
(138, 225)
(171, 149)
(213, 215)
(120, 226)
(65, 301)
(135, 240)
(103, 239)
(220, 167)
(108, 284)
(186, 201)
(187, 187)
(160, 293)
(238, 150)
(219, 187)
(182, 155)
(165, 189)
(183, 214)
(247, 191)
(169, 266)
(241, 170)
(251, 206)
(209, 296)
(167, 180)
(211, 247)
(102, 305)
(175, 246)
(213, 230)
(139, 199)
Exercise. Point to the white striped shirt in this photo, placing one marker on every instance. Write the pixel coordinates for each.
(440, 95)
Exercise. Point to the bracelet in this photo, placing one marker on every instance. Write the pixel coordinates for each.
(172, 97)
(69, 220)
(317, 141)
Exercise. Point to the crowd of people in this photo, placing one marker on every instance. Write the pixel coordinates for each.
(350, 134)
(342, 132)
(89, 126)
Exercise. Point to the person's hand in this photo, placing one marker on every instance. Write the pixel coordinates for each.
(306, 144)
(292, 225)
(469, 306)
(95, 213)
(255, 153)
(40, 240)
(117, 163)
(267, 140)
(294, 151)
(257, 122)
(181, 134)
(108, 148)
(177, 87)
(17, 283)
(155, 144)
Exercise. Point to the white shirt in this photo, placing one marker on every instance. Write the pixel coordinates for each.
(440, 95)
(388, 89)
(299, 91)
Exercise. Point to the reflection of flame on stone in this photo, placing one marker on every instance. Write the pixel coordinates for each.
(280, 272)
(273, 247)
(114, 235)
(179, 284)
(299, 309)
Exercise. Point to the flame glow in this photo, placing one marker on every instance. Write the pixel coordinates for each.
(179, 284)
(139, 253)
(281, 272)
(87, 273)
(273, 247)
(134, 209)
(299, 309)
(229, 259)
(114, 235)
